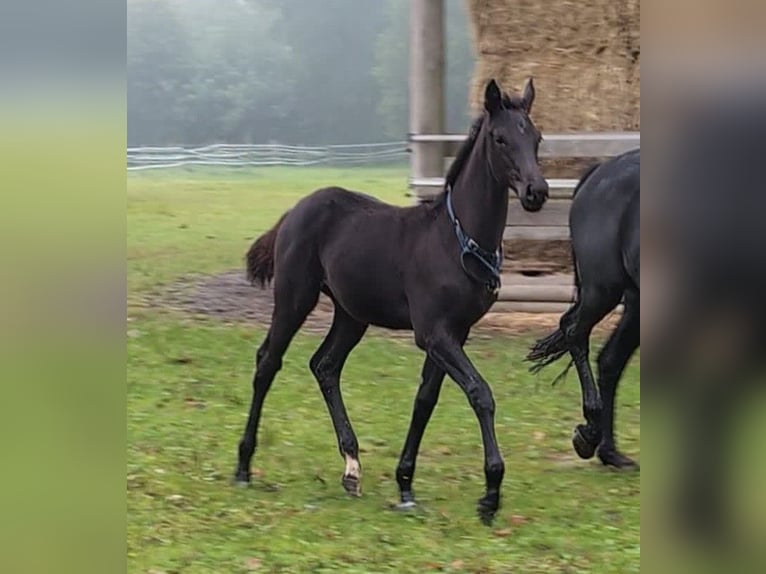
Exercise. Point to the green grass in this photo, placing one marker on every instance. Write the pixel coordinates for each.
(202, 221)
(189, 388)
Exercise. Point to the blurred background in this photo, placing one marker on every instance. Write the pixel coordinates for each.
(335, 72)
(293, 72)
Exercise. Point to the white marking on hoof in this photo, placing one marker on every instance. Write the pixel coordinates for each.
(352, 477)
(353, 468)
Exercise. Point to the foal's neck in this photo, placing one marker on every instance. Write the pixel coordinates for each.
(480, 201)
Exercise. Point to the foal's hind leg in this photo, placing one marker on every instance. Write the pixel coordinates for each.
(326, 364)
(592, 306)
(290, 310)
(611, 362)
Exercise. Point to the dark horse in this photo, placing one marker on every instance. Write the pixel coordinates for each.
(431, 268)
(605, 232)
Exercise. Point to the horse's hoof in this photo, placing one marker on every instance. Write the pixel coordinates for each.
(407, 501)
(583, 442)
(617, 460)
(242, 478)
(352, 485)
(487, 508)
(486, 515)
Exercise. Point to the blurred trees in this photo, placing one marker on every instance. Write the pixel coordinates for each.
(293, 71)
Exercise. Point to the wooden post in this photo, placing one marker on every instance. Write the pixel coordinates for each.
(426, 83)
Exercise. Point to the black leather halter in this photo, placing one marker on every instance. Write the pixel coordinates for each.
(492, 262)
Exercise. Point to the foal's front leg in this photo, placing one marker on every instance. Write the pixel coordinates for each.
(425, 401)
(446, 350)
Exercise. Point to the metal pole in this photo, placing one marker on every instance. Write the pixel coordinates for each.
(426, 83)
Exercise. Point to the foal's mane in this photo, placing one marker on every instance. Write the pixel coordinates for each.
(463, 153)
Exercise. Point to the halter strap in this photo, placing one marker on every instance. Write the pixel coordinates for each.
(492, 261)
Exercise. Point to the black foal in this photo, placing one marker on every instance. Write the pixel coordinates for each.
(433, 268)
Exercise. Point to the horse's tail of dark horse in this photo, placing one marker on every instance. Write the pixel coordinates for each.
(260, 256)
(551, 348)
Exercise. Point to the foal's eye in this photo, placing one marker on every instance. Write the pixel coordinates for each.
(499, 140)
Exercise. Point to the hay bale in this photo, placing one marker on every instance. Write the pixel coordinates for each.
(585, 59)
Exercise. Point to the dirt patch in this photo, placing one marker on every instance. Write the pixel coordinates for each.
(229, 297)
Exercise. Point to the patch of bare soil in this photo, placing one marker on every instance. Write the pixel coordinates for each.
(229, 297)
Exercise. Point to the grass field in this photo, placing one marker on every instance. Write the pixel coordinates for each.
(189, 388)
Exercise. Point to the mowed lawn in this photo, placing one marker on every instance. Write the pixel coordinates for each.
(189, 390)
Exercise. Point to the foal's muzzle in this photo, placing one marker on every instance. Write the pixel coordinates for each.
(534, 195)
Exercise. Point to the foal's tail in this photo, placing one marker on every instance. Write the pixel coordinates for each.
(260, 256)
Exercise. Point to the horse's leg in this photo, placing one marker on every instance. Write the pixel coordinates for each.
(428, 394)
(612, 359)
(326, 365)
(262, 350)
(290, 310)
(446, 350)
(592, 306)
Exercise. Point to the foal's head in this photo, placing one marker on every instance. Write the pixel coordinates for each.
(513, 141)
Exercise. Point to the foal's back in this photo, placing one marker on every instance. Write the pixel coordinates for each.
(353, 222)
(356, 248)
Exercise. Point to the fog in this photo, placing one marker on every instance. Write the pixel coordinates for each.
(288, 71)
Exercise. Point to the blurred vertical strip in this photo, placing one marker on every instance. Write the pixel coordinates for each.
(62, 294)
(704, 259)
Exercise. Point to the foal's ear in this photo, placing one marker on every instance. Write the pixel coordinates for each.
(493, 97)
(528, 96)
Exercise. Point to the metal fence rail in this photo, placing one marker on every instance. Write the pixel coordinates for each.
(261, 155)
(546, 294)
(583, 144)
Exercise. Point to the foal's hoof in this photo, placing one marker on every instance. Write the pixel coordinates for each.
(617, 460)
(352, 485)
(487, 508)
(407, 503)
(242, 478)
(584, 442)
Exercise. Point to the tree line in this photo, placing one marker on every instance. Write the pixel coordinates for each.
(288, 71)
